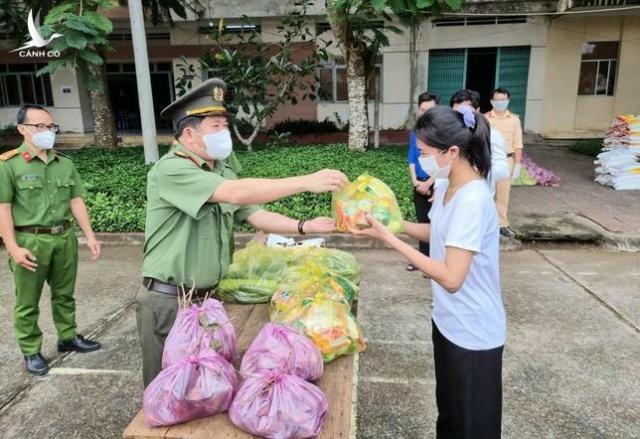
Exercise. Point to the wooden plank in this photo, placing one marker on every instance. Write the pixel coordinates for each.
(336, 383)
(138, 429)
(239, 315)
(257, 319)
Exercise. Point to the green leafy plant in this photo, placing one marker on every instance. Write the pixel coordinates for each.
(116, 181)
(84, 37)
(9, 130)
(187, 70)
(264, 76)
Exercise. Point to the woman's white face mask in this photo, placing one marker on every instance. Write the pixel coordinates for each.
(430, 165)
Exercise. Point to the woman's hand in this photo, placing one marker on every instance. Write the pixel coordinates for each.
(320, 226)
(377, 230)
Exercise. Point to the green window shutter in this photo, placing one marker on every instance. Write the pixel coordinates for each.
(447, 72)
(512, 73)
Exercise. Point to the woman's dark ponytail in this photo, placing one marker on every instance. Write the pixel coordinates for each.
(441, 127)
(479, 151)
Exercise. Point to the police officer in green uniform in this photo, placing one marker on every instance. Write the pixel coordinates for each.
(193, 200)
(40, 192)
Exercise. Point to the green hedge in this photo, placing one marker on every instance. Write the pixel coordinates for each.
(116, 181)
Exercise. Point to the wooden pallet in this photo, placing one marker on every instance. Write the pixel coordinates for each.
(336, 383)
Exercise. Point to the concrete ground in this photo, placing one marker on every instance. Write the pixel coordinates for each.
(578, 210)
(570, 364)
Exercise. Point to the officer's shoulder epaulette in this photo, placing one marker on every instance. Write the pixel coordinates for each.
(63, 155)
(185, 156)
(7, 155)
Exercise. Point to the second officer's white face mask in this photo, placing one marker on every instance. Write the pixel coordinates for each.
(44, 140)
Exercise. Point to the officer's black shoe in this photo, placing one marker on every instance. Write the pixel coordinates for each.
(36, 364)
(78, 344)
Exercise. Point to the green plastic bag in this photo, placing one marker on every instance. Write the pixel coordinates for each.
(255, 273)
(525, 179)
(246, 290)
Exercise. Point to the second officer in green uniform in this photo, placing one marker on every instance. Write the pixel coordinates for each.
(40, 192)
(193, 200)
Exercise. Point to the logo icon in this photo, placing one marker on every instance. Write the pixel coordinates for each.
(36, 39)
(218, 94)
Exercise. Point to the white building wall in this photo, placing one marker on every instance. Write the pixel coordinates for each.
(67, 109)
(396, 66)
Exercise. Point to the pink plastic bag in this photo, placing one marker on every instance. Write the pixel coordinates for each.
(221, 335)
(197, 386)
(277, 405)
(282, 347)
(197, 327)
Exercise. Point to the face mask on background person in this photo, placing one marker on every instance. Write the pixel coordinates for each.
(218, 145)
(432, 168)
(500, 105)
(44, 139)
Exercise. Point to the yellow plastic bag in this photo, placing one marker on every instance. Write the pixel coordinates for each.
(327, 322)
(366, 195)
(335, 261)
(311, 279)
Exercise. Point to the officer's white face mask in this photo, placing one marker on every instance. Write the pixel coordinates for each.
(44, 139)
(218, 145)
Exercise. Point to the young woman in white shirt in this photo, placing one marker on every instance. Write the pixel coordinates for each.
(468, 318)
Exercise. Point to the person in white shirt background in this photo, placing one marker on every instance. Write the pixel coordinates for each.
(468, 317)
(499, 164)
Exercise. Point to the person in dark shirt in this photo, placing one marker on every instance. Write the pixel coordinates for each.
(422, 184)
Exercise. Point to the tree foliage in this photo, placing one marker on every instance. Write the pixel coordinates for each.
(263, 76)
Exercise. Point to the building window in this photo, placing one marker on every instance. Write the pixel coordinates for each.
(598, 68)
(479, 21)
(20, 85)
(333, 87)
(154, 67)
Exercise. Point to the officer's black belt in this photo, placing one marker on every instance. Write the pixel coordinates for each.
(45, 230)
(173, 290)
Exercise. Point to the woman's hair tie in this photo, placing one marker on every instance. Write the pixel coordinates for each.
(468, 115)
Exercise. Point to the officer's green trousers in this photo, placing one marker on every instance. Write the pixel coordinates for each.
(57, 259)
(155, 314)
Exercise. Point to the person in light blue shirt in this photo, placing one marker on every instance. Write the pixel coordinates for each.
(422, 184)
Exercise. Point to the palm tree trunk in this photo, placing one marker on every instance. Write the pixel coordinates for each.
(104, 124)
(358, 104)
(356, 76)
